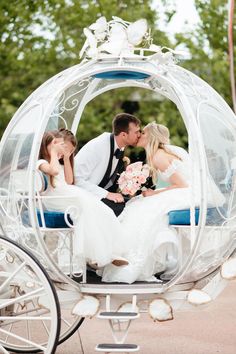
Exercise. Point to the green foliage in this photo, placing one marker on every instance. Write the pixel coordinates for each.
(208, 45)
(40, 38)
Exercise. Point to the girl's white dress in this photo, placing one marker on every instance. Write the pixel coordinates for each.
(97, 230)
(151, 245)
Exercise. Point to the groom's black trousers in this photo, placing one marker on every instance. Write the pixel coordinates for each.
(116, 207)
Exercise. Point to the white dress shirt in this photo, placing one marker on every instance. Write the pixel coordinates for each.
(91, 164)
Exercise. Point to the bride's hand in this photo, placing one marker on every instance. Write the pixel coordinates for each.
(149, 193)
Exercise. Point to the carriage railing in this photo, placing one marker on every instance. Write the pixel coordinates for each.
(17, 215)
(59, 242)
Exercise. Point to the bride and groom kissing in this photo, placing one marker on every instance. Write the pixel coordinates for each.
(144, 238)
(139, 242)
(99, 163)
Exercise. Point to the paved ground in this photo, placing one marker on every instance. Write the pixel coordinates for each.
(209, 331)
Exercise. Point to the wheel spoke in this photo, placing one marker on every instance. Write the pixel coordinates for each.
(44, 325)
(66, 322)
(19, 316)
(29, 308)
(29, 296)
(24, 340)
(23, 318)
(28, 329)
(8, 280)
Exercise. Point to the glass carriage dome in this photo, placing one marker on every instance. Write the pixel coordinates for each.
(205, 229)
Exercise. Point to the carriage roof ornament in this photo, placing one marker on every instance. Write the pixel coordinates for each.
(119, 38)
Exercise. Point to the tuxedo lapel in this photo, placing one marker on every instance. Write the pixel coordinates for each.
(115, 176)
(107, 174)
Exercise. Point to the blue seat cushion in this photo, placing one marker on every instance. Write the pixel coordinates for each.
(53, 219)
(182, 217)
(121, 75)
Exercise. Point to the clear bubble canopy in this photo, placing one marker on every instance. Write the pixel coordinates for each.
(113, 57)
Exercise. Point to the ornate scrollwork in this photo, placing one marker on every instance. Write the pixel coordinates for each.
(71, 98)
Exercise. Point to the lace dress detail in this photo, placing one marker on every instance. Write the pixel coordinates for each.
(171, 169)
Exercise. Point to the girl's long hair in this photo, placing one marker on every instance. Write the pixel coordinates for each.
(47, 139)
(43, 152)
(158, 137)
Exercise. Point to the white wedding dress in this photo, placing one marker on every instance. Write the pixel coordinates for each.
(140, 234)
(97, 230)
(151, 245)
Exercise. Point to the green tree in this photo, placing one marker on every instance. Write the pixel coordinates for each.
(40, 38)
(208, 45)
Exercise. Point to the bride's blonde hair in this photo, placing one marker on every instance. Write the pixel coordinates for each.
(158, 137)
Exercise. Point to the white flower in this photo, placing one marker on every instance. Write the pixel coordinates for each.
(90, 42)
(117, 40)
(136, 31)
(100, 25)
(100, 28)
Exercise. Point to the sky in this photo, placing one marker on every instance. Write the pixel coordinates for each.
(186, 12)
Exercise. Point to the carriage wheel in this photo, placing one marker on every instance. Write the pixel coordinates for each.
(69, 325)
(29, 306)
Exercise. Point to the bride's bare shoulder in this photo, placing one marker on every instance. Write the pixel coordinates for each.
(160, 159)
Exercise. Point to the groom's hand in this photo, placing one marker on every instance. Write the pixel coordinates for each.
(115, 197)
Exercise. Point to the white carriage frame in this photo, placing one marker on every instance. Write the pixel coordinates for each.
(80, 75)
(161, 79)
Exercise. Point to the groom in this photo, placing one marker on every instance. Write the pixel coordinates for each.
(99, 163)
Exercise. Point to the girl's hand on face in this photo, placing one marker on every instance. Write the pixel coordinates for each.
(67, 152)
(58, 147)
(69, 149)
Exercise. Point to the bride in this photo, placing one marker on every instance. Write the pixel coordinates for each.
(151, 246)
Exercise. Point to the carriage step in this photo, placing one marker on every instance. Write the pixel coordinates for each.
(107, 348)
(115, 315)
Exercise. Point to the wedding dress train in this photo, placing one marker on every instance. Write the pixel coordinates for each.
(152, 246)
(141, 234)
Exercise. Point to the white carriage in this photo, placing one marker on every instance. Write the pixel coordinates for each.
(47, 293)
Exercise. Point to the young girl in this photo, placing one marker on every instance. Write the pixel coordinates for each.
(97, 231)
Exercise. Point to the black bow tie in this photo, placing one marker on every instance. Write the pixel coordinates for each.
(119, 154)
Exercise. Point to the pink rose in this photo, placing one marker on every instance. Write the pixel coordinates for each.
(142, 179)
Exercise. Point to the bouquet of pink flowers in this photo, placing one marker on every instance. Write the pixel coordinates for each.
(132, 179)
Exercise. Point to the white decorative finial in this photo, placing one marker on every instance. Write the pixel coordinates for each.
(116, 37)
(120, 38)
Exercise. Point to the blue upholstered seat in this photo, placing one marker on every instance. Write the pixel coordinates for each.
(53, 219)
(121, 75)
(182, 217)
